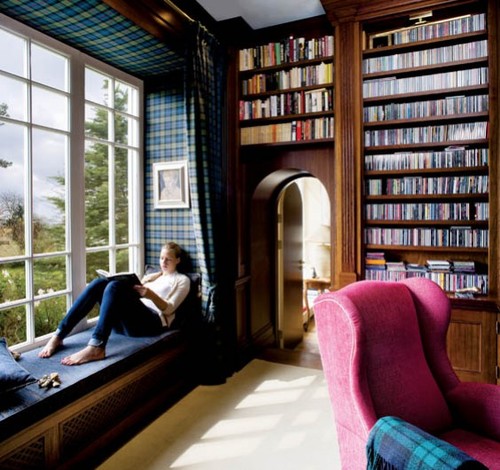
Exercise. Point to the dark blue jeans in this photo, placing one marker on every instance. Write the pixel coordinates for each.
(120, 310)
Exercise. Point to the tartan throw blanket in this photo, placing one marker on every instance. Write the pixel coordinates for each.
(394, 444)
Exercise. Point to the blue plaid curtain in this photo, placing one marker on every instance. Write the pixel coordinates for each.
(205, 86)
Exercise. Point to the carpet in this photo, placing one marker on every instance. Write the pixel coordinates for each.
(267, 416)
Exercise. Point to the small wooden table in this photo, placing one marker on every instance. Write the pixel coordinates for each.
(321, 284)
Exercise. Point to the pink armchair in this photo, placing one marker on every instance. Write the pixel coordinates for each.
(383, 350)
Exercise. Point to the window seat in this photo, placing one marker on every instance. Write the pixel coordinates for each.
(95, 403)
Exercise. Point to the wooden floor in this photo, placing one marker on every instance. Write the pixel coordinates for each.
(306, 354)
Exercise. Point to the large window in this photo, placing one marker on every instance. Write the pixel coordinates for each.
(70, 178)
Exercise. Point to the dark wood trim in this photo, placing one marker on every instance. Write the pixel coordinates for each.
(162, 20)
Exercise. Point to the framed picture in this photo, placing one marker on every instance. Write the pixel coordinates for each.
(170, 185)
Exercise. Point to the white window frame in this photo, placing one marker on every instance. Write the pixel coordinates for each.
(75, 207)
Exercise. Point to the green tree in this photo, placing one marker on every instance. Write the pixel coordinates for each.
(12, 216)
(96, 177)
(3, 112)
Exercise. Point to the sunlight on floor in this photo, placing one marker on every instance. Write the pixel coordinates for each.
(225, 439)
(267, 416)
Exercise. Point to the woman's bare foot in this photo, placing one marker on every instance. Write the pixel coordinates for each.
(87, 354)
(51, 347)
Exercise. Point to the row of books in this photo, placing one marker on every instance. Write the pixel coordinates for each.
(421, 109)
(473, 184)
(419, 211)
(295, 77)
(376, 261)
(299, 130)
(451, 157)
(297, 102)
(287, 50)
(422, 58)
(450, 282)
(388, 86)
(453, 237)
(427, 134)
(461, 25)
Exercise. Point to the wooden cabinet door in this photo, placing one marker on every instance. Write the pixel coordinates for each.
(472, 344)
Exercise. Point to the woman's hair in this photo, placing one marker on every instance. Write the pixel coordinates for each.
(172, 246)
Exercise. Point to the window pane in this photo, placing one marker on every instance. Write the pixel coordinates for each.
(96, 122)
(12, 53)
(121, 196)
(96, 195)
(126, 98)
(13, 146)
(97, 87)
(49, 191)
(121, 129)
(48, 314)
(12, 282)
(96, 261)
(49, 275)
(49, 68)
(13, 324)
(122, 264)
(13, 98)
(50, 109)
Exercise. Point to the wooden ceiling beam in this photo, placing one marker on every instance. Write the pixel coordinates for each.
(340, 11)
(161, 18)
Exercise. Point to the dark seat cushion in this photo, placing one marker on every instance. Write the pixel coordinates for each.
(23, 407)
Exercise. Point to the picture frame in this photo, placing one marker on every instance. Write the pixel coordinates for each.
(171, 185)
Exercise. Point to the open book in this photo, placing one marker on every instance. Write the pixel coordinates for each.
(131, 278)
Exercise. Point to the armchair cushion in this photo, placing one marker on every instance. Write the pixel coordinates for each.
(477, 407)
(395, 444)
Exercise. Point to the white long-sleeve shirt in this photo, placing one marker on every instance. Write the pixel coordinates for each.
(173, 289)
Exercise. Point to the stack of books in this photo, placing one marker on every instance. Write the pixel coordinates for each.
(464, 266)
(415, 267)
(438, 265)
(375, 261)
(395, 266)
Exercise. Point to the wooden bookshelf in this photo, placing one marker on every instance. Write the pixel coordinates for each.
(426, 150)
(287, 91)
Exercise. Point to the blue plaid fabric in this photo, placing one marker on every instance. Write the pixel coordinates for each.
(166, 140)
(205, 83)
(394, 444)
(98, 30)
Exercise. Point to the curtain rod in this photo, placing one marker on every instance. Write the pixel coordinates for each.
(178, 10)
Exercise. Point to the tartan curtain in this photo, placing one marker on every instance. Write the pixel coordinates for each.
(204, 88)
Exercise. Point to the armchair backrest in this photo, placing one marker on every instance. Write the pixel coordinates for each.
(374, 362)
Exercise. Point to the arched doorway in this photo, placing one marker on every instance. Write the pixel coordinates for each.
(264, 267)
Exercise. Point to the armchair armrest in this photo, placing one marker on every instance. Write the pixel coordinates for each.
(395, 443)
(477, 406)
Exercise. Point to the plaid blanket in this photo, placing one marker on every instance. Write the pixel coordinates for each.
(394, 444)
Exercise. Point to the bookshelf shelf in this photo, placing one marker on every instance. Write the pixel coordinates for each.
(430, 249)
(410, 122)
(403, 97)
(285, 66)
(428, 197)
(427, 69)
(287, 92)
(427, 223)
(426, 151)
(285, 118)
(291, 144)
(429, 171)
(265, 94)
(425, 145)
(425, 44)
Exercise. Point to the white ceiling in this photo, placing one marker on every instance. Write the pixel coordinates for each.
(263, 13)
